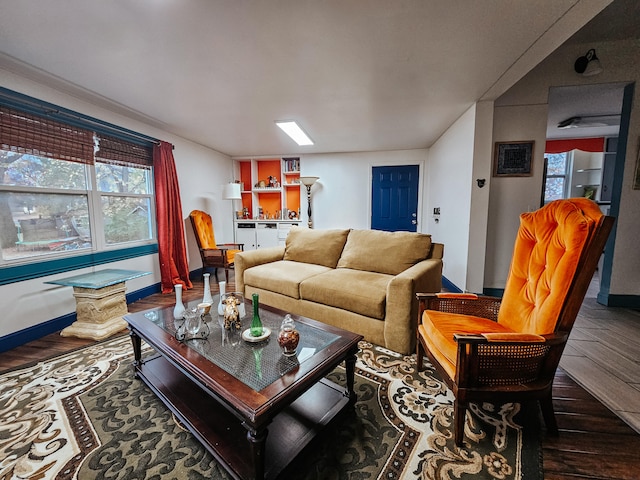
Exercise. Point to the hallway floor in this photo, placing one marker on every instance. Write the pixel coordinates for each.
(603, 356)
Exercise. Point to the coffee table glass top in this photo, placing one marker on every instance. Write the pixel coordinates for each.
(257, 365)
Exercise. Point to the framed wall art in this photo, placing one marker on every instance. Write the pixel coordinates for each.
(513, 159)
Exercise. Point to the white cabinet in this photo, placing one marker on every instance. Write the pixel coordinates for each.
(246, 234)
(262, 234)
(266, 235)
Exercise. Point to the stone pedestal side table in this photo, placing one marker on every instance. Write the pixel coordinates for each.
(100, 302)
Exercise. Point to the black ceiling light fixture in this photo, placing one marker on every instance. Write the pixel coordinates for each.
(586, 121)
(589, 64)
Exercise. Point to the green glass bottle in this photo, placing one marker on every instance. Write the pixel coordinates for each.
(256, 324)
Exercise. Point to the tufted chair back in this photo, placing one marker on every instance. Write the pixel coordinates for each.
(203, 227)
(546, 256)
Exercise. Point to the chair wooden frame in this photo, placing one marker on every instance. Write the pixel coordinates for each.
(520, 370)
(215, 257)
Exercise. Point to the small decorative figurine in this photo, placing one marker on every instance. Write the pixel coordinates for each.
(231, 313)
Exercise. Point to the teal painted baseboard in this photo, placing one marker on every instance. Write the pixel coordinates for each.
(622, 301)
(493, 292)
(608, 300)
(449, 286)
(21, 337)
(35, 332)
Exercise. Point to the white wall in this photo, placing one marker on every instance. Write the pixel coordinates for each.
(510, 196)
(341, 198)
(449, 187)
(525, 105)
(201, 173)
(479, 215)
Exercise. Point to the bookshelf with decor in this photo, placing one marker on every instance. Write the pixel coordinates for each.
(270, 200)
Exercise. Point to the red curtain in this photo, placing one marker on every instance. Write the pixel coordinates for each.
(172, 250)
(566, 145)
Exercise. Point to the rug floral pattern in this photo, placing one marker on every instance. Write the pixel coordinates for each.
(84, 416)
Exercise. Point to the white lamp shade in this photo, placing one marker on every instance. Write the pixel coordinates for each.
(231, 191)
(308, 181)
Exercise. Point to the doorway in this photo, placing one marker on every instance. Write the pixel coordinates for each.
(394, 198)
(585, 112)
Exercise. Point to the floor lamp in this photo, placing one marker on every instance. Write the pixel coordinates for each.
(231, 191)
(308, 182)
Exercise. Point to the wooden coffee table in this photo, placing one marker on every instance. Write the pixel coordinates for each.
(250, 406)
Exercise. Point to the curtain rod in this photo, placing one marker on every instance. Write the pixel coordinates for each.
(36, 106)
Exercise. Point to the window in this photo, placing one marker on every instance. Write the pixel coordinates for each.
(66, 190)
(555, 180)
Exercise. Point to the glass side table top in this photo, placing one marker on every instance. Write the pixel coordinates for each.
(99, 279)
(257, 365)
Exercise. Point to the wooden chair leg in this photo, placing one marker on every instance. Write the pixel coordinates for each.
(546, 405)
(215, 272)
(419, 355)
(226, 274)
(459, 413)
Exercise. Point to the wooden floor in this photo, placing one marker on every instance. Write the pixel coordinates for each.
(594, 443)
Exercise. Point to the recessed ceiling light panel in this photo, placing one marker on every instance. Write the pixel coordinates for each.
(292, 129)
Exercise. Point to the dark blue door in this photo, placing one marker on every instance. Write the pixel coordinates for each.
(394, 198)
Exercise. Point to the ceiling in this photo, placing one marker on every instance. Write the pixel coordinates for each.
(584, 101)
(357, 75)
(618, 21)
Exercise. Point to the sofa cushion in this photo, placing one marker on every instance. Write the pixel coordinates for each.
(384, 252)
(353, 290)
(282, 276)
(321, 247)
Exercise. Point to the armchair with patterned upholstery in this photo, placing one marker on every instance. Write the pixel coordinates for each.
(508, 349)
(213, 255)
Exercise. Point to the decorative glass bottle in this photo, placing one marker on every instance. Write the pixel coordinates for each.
(206, 298)
(256, 324)
(178, 310)
(223, 290)
(288, 337)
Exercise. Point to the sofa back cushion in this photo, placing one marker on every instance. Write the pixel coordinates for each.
(384, 252)
(320, 247)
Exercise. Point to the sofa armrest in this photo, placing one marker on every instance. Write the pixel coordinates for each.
(251, 258)
(401, 319)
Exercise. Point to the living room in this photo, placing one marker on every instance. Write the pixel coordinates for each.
(477, 224)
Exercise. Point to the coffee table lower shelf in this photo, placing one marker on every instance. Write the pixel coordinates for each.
(222, 433)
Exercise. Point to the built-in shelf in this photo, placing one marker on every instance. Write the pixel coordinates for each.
(271, 188)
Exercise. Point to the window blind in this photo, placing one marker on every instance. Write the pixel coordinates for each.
(120, 152)
(23, 132)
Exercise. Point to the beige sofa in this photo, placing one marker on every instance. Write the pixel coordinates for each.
(360, 280)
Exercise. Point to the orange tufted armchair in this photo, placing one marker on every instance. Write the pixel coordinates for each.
(213, 255)
(498, 350)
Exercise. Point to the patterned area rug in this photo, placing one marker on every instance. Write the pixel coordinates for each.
(84, 416)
